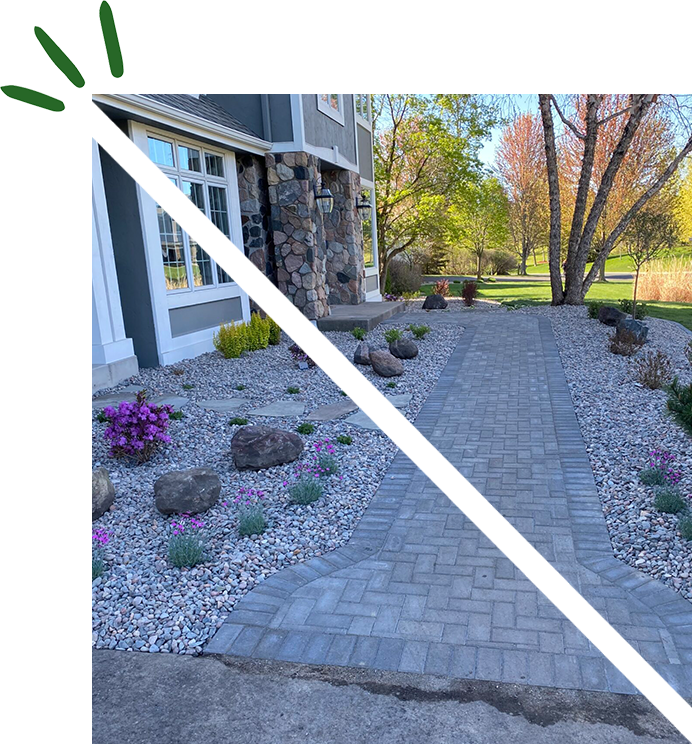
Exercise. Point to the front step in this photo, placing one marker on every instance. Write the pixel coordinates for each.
(367, 315)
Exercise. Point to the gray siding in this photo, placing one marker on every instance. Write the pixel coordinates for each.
(365, 153)
(207, 315)
(130, 262)
(268, 116)
(322, 131)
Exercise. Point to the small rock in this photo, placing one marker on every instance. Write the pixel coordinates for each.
(259, 447)
(635, 327)
(362, 354)
(609, 315)
(404, 348)
(102, 493)
(190, 491)
(384, 364)
(435, 302)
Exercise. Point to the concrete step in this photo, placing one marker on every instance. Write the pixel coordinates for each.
(367, 315)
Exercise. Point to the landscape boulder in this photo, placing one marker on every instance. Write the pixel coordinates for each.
(635, 327)
(102, 493)
(187, 491)
(259, 447)
(403, 348)
(384, 364)
(434, 302)
(362, 354)
(609, 315)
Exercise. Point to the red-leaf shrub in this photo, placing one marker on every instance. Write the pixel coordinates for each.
(442, 287)
(468, 292)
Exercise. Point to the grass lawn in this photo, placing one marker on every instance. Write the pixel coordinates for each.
(538, 293)
(614, 265)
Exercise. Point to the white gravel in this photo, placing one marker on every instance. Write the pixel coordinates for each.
(141, 601)
(420, 373)
(622, 421)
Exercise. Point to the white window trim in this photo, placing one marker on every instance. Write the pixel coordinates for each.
(179, 174)
(326, 109)
(367, 123)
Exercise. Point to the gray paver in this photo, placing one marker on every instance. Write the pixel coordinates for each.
(332, 411)
(223, 405)
(419, 589)
(280, 408)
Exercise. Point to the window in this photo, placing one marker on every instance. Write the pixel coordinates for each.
(363, 105)
(332, 105)
(368, 254)
(200, 175)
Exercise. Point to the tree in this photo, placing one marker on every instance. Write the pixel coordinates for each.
(647, 236)
(520, 162)
(425, 150)
(587, 212)
(479, 219)
(684, 206)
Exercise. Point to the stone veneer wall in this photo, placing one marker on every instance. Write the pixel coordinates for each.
(343, 234)
(296, 224)
(254, 210)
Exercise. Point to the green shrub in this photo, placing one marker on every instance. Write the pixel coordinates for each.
(344, 439)
(187, 386)
(391, 384)
(642, 309)
(327, 465)
(238, 421)
(419, 331)
(685, 525)
(668, 499)
(240, 387)
(652, 476)
(176, 416)
(593, 308)
(403, 278)
(359, 333)
(257, 333)
(393, 334)
(342, 393)
(231, 339)
(680, 404)
(251, 520)
(305, 428)
(306, 490)
(102, 418)
(293, 390)
(274, 332)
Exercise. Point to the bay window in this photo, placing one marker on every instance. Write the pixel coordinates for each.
(200, 174)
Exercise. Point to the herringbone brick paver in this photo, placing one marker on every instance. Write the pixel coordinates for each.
(420, 589)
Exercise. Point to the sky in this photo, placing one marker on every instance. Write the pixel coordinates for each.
(522, 103)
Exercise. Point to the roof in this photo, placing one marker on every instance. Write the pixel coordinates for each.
(202, 107)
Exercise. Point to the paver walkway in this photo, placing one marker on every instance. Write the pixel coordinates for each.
(418, 588)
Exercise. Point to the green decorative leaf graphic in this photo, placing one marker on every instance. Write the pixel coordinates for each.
(60, 59)
(33, 97)
(110, 37)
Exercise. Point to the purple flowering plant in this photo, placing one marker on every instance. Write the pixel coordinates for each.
(251, 519)
(300, 356)
(136, 430)
(391, 298)
(661, 470)
(186, 544)
(99, 538)
(307, 475)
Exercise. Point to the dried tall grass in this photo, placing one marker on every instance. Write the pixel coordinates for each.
(666, 280)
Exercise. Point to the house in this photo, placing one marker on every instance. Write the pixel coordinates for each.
(289, 177)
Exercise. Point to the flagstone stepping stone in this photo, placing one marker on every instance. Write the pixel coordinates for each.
(361, 420)
(332, 411)
(223, 405)
(177, 401)
(280, 408)
(401, 400)
(128, 393)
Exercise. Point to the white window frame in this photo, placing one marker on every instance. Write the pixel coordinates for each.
(178, 175)
(326, 109)
(367, 123)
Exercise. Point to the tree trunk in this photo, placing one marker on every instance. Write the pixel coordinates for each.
(601, 273)
(479, 256)
(554, 197)
(634, 294)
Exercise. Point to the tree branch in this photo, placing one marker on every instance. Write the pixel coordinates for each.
(565, 120)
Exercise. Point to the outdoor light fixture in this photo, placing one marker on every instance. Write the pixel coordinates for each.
(365, 209)
(325, 200)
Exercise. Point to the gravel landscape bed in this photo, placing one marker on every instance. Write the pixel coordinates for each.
(420, 373)
(141, 601)
(622, 421)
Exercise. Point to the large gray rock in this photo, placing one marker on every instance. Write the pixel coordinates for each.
(609, 315)
(362, 354)
(434, 302)
(635, 327)
(384, 364)
(102, 493)
(190, 491)
(404, 348)
(259, 447)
